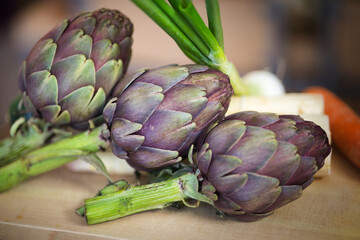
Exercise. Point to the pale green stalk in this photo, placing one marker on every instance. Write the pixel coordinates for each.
(53, 156)
(136, 199)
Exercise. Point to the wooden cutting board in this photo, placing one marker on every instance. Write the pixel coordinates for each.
(44, 208)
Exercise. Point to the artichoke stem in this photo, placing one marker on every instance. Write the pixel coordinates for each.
(137, 199)
(52, 156)
(120, 185)
(14, 147)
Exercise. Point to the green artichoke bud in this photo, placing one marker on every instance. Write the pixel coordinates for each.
(253, 163)
(70, 73)
(159, 113)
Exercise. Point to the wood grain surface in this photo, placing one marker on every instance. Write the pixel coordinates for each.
(44, 208)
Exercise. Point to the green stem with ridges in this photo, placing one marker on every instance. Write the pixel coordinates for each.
(117, 186)
(25, 138)
(53, 156)
(138, 199)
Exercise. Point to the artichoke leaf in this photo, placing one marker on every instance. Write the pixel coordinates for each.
(96, 162)
(42, 89)
(84, 21)
(122, 133)
(108, 75)
(104, 51)
(233, 130)
(145, 96)
(54, 115)
(56, 32)
(169, 133)
(256, 148)
(165, 77)
(148, 157)
(83, 104)
(72, 73)
(125, 82)
(191, 188)
(41, 56)
(72, 43)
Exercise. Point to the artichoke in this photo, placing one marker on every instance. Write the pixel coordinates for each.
(247, 165)
(152, 123)
(70, 73)
(257, 162)
(159, 113)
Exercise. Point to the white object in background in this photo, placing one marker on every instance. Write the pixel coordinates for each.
(263, 83)
(291, 103)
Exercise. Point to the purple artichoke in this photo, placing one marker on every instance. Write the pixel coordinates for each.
(159, 113)
(70, 73)
(253, 163)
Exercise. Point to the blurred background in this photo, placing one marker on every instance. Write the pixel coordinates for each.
(305, 42)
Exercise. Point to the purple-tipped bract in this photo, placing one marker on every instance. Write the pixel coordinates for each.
(253, 163)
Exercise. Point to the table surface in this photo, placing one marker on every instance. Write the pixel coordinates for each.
(44, 208)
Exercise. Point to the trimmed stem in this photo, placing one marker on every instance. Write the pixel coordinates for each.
(140, 198)
(53, 156)
(120, 185)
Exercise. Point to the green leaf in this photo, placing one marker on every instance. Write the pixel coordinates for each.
(72, 43)
(16, 125)
(96, 162)
(41, 56)
(84, 103)
(42, 89)
(73, 73)
(191, 189)
(53, 114)
(108, 75)
(104, 51)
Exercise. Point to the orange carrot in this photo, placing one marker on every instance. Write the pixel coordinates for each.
(344, 124)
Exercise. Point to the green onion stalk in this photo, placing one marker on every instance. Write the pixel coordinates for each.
(202, 44)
